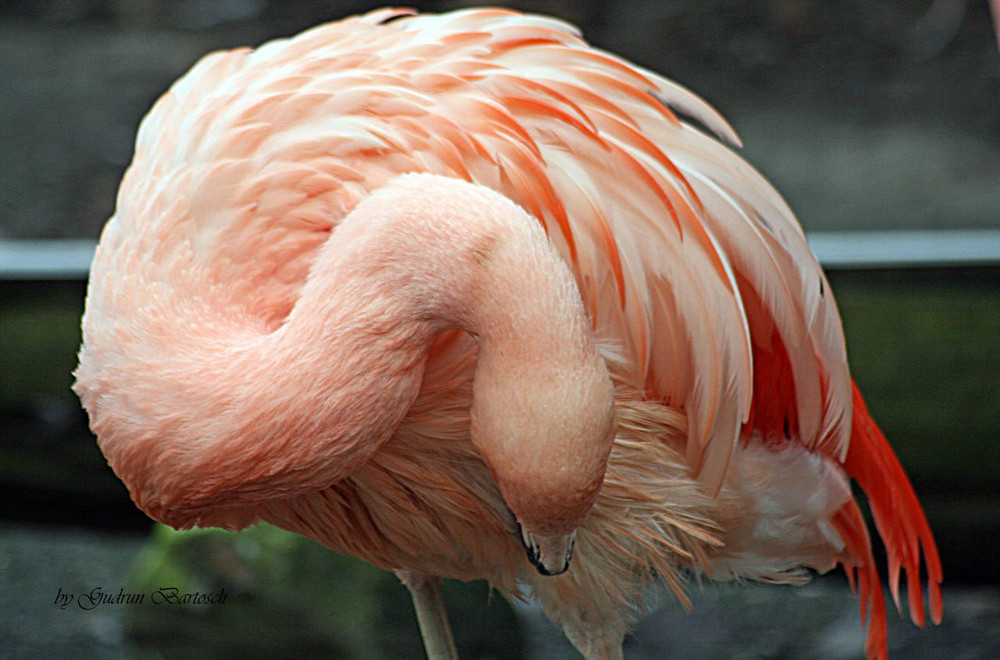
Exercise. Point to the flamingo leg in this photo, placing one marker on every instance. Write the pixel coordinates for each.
(428, 601)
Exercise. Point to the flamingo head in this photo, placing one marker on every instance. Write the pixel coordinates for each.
(545, 430)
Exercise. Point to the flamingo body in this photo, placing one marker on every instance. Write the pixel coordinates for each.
(258, 184)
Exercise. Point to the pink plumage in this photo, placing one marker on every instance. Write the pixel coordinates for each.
(576, 315)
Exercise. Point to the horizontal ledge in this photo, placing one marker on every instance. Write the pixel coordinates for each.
(50, 259)
(906, 249)
(69, 259)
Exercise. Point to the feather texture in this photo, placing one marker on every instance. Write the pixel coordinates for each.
(737, 419)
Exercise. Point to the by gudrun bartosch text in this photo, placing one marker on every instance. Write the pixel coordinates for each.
(98, 596)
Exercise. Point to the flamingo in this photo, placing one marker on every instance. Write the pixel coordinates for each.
(464, 297)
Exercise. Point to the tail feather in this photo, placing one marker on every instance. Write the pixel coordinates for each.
(862, 573)
(901, 523)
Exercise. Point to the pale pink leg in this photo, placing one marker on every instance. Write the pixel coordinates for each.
(428, 601)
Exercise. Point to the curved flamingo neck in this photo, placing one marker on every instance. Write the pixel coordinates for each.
(300, 408)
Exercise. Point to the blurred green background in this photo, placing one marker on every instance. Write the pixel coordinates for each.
(866, 115)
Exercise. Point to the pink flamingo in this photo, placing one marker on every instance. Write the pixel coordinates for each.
(429, 288)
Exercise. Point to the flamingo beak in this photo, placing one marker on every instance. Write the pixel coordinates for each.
(549, 554)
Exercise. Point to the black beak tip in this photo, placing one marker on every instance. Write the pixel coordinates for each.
(534, 556)
(544, 571)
